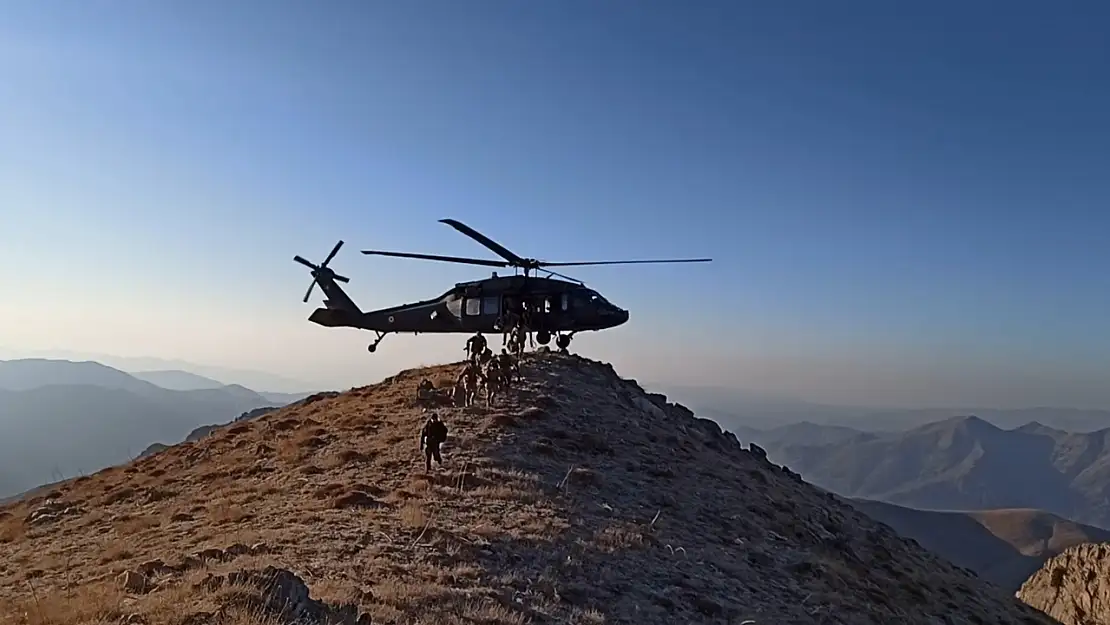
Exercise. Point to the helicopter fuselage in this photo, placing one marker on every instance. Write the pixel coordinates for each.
(553, 306)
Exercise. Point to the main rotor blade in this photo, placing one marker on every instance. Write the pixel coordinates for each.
(334, 250)
(627, 262)
(304, 262)
(446, 259)
(563, 276)
(499, 249)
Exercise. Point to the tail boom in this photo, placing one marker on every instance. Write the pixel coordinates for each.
(336, 318)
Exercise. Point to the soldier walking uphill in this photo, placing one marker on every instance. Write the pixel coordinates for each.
(467, 384)
(432, 435)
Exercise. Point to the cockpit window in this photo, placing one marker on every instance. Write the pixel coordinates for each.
(596, 299)
(586, 298)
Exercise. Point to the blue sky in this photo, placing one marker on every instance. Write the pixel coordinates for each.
(912, 196)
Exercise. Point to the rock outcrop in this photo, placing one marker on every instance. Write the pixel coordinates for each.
(576, 498)
(1073, 586)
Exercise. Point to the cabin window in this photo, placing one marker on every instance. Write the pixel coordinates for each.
(473, 306)
(489, 305)
(563, 301)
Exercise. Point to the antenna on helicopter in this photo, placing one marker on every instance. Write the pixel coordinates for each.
(518, 262)
(321, 271)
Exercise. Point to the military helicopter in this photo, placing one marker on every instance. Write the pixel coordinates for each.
(559, 306)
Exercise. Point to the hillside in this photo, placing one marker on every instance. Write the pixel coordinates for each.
(1074, 586)
(59, 418)
(576, 500)
(1004, 547)
(966, 463)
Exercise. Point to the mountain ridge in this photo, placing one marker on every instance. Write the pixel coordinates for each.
(575, 498)
(967, 464)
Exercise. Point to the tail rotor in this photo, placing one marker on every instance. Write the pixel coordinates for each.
(321, 272)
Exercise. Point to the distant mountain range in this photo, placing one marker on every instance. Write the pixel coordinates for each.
(61, 418)
(184, 381)
(736, 409)
(1002, 546)
(962, 463)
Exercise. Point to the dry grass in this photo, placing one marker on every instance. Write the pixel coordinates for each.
(563, 503)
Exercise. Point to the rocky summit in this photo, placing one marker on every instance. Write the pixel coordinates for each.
(1073, 586)
(576, 498)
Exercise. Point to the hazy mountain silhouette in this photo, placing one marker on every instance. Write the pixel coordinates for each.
(177, 380)
(966, 463)
(60, 418)
(1067, 419)
(804, 433)
(739, 409)
(1002, 546)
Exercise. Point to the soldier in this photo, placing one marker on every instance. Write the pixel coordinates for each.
(475, 345)
(432, 435)
(526, 322)
(425, 390)
(486, 356)
(510, 320)
(519, 339)
(458, 392)
(494, 380)
(470, 379)
(508, 366)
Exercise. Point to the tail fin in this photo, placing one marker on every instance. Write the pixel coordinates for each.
(336, 298)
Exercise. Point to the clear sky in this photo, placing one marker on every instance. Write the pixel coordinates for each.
(906, 202)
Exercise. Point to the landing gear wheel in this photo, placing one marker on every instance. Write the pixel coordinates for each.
(543, 337)
(373, 347)
(562, 341)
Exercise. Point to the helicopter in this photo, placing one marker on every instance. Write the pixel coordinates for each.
(557, 305)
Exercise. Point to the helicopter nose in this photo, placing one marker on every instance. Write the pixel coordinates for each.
(616, 316)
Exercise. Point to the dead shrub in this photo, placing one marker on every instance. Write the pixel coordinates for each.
(238, 429)
(582, 476)
(128, 525)
(412, 515)
(119, 495)
(502, 420)
(225, 512)
(355, 499)
(346, 457)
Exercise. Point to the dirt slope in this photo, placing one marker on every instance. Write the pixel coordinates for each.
(579, 499)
